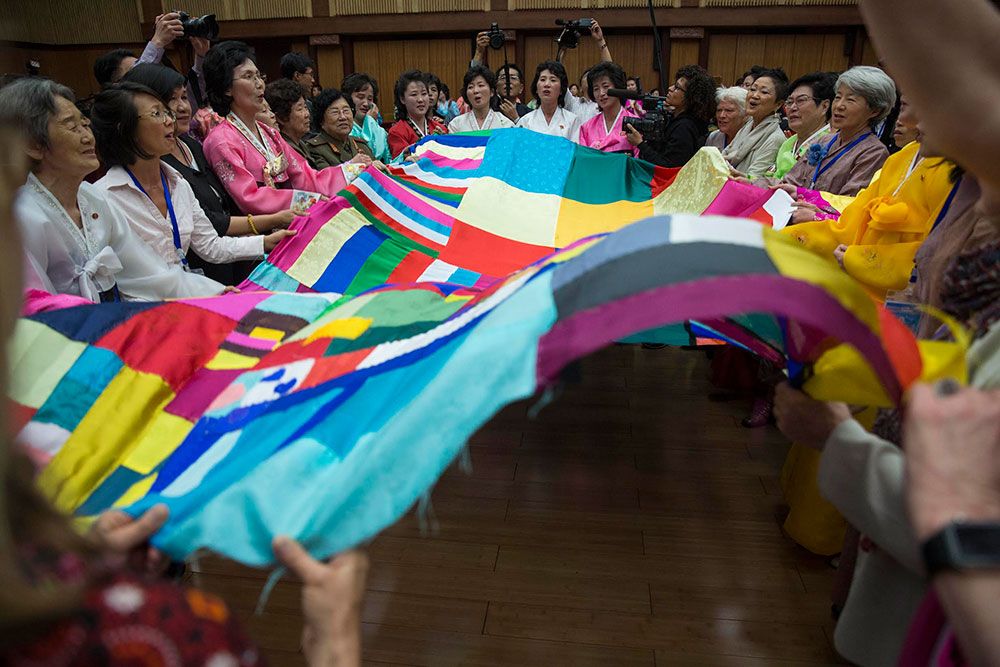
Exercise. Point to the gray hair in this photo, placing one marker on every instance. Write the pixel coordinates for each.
(27, 104)
(735, 94)
(874, 85)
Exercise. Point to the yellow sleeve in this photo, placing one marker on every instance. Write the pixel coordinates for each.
(881, 268)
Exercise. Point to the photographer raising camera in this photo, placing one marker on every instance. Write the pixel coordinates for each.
(692, 97)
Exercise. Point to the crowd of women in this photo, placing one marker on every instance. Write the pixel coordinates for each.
(902, 195)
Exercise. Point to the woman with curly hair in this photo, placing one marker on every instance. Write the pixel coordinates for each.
(693, 98)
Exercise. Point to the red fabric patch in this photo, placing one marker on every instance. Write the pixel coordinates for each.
(414, 263)
(19, 416)
(478, 250)
(328, 368)
(901, 346)
(663, 178)
(194, 334)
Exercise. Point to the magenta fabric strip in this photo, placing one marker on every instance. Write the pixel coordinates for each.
(39, 301)
(233, 306)
(238, 338)
(200, 390)
(738, 200)
(815, 198)
(593, 329)
(469, 164)
(406, 197)
(289, 249)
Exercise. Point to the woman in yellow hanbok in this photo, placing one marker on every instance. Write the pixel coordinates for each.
(875, 241)
(878, 234)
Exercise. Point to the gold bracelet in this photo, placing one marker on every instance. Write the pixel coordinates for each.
(250, 223)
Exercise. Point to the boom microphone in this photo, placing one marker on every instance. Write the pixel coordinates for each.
(624, 94)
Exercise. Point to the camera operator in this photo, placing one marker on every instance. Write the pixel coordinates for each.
(692, 96)
(113, 65)
(586, 107)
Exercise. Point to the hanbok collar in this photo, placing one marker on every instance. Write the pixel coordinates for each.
(79, 234)
(604, 123)
(274, 165)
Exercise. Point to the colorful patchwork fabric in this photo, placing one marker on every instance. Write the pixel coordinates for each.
(398, 321)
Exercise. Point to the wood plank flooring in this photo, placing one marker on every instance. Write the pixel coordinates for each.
(633, 522)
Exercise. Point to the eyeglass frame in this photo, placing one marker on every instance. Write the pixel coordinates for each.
(155, 115)
(794, 102)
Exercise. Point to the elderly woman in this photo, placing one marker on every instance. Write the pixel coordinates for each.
(134, 128)
(550, 87)
(478, 88)
(333, 114)
(808, 108)
(284, 96)
(262, 173)
(412, 102)
(730, 116)
(755, 146)
(363, 89)
(604, 131)
(845, 164)
(188, 158)
(693, 99)
(76, 241)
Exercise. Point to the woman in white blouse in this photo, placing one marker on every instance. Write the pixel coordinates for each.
(550, 87)
(133, 129)
(478, 89)
(76, 242)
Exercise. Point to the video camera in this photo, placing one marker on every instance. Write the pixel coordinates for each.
(569, 38)
(653, 124)
(203, 26)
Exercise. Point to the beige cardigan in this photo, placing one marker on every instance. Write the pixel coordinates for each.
(753, 149)
(862, 475)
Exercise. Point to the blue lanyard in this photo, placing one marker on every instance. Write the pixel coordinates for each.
(170, 211)
(947, 203)
(820, 169)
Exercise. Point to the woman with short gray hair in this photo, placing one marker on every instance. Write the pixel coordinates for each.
(75, 241)
(730, 115)
(845, 164)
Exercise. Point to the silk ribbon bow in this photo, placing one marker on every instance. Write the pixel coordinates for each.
(98, 274)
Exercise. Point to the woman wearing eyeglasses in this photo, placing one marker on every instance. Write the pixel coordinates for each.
(808, 109)
(134, 129)
(255, 164)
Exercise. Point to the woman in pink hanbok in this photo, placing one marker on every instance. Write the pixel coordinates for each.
(261, 172)
(604, 131)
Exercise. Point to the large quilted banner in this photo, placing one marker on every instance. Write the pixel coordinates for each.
(329, 396)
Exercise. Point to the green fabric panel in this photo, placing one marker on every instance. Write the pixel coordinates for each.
(376, 269)
(598, 178)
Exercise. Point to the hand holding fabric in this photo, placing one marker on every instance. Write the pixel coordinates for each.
(125, 536)
(805, 420)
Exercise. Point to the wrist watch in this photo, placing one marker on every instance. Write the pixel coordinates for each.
(963, 546)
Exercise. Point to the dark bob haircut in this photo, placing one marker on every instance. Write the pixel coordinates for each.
(555, 67)
(161, 80)
(295, 63)
(753, 72)
(282, 96)
(474, 72)
(402, 83)
(323, 101)
(115, 122)
(780, 79)
(432, 79)
(354, 82)
(823, 86)
(107, 65)
(699, 97)
(220, 62)
(613, 71)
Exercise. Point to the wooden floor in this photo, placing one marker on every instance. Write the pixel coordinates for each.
(633, 522)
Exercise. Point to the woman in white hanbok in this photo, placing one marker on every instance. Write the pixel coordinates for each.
(75, 241)
(550, 88)
(478, 91)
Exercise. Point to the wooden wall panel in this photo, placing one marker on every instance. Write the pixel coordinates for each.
(633, 52)
(365, 7)
(387, 59)
(330, 63)
(682, 52)
(73, 67)
(242, 10)
(588, 4)
(59, 22)
(732, 54)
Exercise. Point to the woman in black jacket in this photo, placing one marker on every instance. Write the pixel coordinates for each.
(692, 98)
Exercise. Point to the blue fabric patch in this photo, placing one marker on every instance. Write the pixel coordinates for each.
(79, 388)
(109, 491)
(273, 279)
(545, 173)
(88, 324)
(345, 266)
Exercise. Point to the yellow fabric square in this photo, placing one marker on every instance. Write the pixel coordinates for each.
(498, 208)
(164, 435)
(577, 220)
(349, 328)
(39, 358)
(267, 334)
(224, 360)
(331, 237)
(697, 185)
(112, 428)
